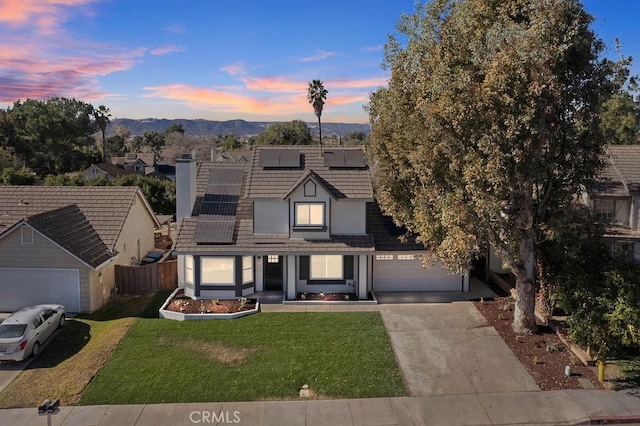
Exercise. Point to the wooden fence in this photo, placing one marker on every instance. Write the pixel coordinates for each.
(146, 279)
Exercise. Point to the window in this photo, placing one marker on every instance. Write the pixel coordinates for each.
(48, 314)
(247, 269)
(309, 189)
(216, 270)
(604, 208)
(406, 257)
(384, 257)
(326, 267)
(95, 171)
(273, 258)
(27, 235)
(188, 269)
(37, 322)
(309, 214)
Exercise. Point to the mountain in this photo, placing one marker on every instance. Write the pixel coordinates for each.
(236, 127)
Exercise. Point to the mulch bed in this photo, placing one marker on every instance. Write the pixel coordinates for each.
(329, 297)
(542, 354)
(187, 305)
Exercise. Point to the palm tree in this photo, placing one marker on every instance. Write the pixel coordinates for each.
(102, 115)
(316, 96)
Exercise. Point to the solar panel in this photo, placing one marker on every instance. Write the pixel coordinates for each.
(352, 159)
(289, 158)
(269, 158)
(225, 176)
(217, 208)
(212, 232)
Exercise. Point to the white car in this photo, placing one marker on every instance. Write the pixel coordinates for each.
(24, 331)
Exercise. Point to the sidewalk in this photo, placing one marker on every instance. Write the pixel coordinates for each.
(551, 407)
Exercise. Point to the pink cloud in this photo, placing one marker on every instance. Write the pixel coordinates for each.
(234, 69)
(48, 14)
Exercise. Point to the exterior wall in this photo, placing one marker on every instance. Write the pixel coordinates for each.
(43, 254)
(322, 196)
(95, 172)
(185, 187)
(271, 216)
(139, 225)
(348, 217)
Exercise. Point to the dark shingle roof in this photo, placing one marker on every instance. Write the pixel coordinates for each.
(105, 207)
(387, 236)
(70, 229)
(276, 182)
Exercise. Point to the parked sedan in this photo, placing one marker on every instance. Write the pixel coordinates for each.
(23, 333)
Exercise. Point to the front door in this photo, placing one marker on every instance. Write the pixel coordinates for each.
(272, 272)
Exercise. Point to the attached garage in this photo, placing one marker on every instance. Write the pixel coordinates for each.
(22, 287)
(404, 272)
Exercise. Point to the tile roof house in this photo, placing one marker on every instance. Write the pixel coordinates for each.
(108, 170)
(134, 161)
(615, 200)
(61, 244)
(295, 221)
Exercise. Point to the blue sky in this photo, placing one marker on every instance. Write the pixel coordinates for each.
(219, 59)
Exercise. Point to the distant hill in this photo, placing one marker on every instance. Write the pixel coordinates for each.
(235, 127)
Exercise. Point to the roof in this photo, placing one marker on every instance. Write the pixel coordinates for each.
(131, 158)
(234, 156)
(70, 229)
(113, 170)
(388, 236)
(105, 207)
(621, 176)
(276, 182)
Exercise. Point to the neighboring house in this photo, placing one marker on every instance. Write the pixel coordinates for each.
(107, 170)
(233, 156)
(615, 200)
(61, 244)
(161, 171)
(134, 161)
(295, 221)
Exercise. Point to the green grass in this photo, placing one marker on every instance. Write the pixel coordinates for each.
(262, 356)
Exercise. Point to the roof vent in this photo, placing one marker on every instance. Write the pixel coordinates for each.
(23, 202)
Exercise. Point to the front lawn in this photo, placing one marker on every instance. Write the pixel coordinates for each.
(73, 357)
(262, 356)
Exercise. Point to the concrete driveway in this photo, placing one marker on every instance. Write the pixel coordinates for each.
(449, 348)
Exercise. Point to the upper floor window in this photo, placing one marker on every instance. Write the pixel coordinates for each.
(309, 214)
(604, 209)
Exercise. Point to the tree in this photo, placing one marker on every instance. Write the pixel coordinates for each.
(620, 119)
(11, 176)
(231, 143)
(114, 146)
(155, 141)
(175, 128)
(295, 132)
(8, 158)
(489, 125)
(102, 116)
(316, 95)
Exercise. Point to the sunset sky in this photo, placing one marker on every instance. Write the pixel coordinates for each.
(219, 59)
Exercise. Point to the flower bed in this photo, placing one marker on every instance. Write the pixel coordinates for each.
(181, 307)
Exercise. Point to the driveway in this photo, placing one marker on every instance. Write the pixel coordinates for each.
(449, 348)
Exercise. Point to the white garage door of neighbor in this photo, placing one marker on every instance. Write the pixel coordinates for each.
(394, 272)
(20, 287)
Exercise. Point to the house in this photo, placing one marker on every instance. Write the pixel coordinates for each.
(615, 200)
(61, 244)
(134, 161)
(106, 170)
(233, 156)
(293, 220)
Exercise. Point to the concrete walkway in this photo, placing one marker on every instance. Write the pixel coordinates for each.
(552, 407)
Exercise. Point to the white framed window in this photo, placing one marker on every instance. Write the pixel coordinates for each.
(216, 270)
(309, 214)
(604, 208)
(326, 267)
(188, 269)
(406, 257)
(273, 258)
(384, 257)
(27, 235)
(247, 269)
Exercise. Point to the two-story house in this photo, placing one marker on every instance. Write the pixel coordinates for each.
(293, 219)
(615, 200)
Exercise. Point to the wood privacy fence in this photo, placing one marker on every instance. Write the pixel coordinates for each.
(135, 280)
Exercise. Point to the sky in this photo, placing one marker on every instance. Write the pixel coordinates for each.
(220, 59)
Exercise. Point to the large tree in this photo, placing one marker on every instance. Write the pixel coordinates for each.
(295, 132)
(102, 115)
(488, 125)
(316, 95)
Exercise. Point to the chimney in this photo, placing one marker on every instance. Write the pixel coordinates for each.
(185, 186)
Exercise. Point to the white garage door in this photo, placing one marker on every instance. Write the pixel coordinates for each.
(25, 287)
(404, 272)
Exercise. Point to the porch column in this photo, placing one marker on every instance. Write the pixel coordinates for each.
(291, 277)
(259, 273)
(362, 276)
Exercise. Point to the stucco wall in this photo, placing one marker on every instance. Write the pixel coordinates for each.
(348, 217)
(138, 226)
(43, 254)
